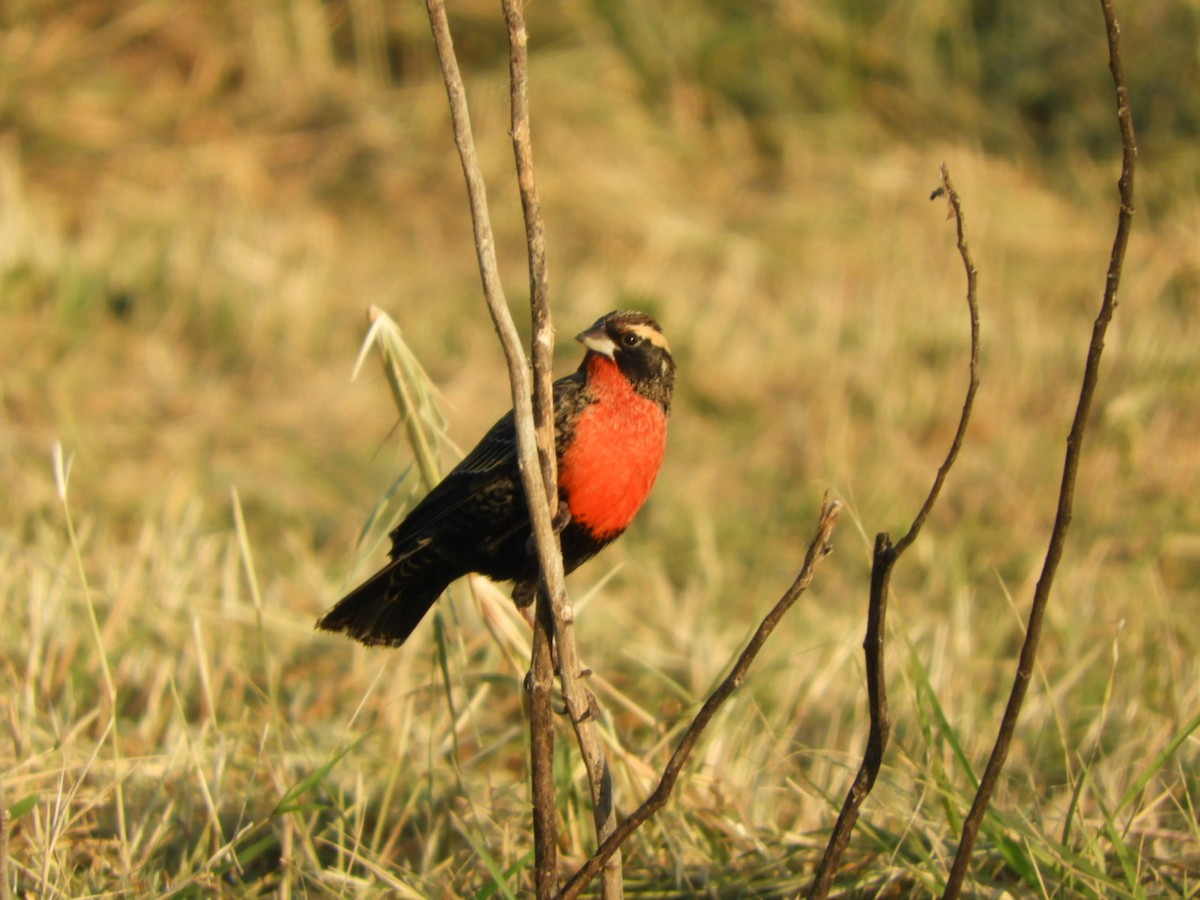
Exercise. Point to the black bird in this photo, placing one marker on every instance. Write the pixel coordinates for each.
(610, 423)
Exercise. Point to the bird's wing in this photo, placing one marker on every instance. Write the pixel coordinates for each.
(489, 467)
(493, 460)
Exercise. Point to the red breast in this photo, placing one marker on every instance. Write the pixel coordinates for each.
(614, 456)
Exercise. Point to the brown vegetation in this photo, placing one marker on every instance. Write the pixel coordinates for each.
(197, 204)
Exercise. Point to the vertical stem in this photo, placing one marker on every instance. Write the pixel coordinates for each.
(541, 753)
(537, 492)
(581, 705)
(541, 720)
(1066, 495)
(885, 557)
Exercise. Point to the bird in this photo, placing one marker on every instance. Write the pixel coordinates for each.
(610, 432)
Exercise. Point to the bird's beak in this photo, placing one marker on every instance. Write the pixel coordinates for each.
(597, 340)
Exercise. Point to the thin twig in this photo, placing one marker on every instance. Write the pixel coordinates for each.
(537, 492)
(541, 719)
(884, 559)
(542, 342)
(541, 754)
(960, 434)
(581, 705)
(818, 548)
(1066, 494)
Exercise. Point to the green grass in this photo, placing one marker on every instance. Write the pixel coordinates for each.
(198, 206)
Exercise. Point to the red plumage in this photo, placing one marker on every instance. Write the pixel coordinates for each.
(610, 437)
(611, 463)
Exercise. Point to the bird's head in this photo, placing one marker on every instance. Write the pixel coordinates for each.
(635, 343)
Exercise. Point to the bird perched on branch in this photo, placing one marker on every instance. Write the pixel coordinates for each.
(610, 432)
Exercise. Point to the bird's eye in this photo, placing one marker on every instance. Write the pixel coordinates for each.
(629, 339)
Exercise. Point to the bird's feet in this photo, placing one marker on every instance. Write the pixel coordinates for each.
(562, 518)
(523, 595)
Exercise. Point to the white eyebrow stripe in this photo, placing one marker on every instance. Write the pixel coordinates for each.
(651, 334)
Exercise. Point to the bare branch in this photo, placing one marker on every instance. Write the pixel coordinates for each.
(542, 343)
(541, 719)
(973, 384)
(817, 550)
(538, 489)
(1062, 520)
(580, 703)
(884, 559)
(541, 753)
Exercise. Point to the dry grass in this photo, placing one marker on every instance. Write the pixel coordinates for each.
(196, 208)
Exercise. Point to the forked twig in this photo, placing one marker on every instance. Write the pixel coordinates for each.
(537, 490)
(535, 435)
(884, 559)
(1066, 494)
(541, 718)
(818, 548)
(580, 703)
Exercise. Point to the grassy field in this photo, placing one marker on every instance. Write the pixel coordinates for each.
(199, 203)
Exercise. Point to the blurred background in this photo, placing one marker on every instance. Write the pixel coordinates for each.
(200, 201)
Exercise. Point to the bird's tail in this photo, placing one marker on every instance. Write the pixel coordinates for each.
(384, 610)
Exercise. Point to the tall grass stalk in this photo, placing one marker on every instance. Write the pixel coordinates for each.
(62, 477)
